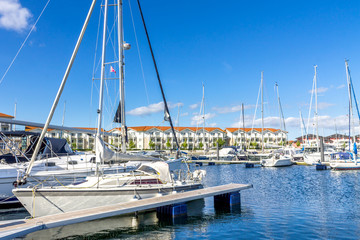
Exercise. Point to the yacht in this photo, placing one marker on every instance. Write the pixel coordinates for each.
(149, 180)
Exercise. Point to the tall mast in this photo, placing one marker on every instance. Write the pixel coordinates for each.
(277, 92)
(13, 127)
(316, 110)
(121, 72)
(301, 126)
(350, 100)
(203, 105)
(262, 110)
(243, 120)
(99, 112)
(63, 119)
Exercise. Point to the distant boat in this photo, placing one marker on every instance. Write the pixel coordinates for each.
(277, 160)
(348, 160)
(344, 161)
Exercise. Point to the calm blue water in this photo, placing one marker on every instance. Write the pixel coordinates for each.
(295, 202)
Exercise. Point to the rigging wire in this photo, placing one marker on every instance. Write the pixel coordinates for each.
(22, 45)
(94, 64)
(138, 50)
(167, 112)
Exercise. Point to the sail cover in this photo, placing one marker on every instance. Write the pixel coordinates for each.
(106, 155)
(117, 117)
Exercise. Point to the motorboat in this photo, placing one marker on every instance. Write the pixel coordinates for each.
(149, 180)
(277, 160)
(314, 158)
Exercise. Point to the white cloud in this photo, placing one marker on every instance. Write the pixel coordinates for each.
(13, 16)
(199, 119)
(341, 86)
(212, 124)
(193, 106)
(152, 108)
(323, 105)
(184, 114)
(231, 109)
(324, 122)
(320, 90)
(227, 66)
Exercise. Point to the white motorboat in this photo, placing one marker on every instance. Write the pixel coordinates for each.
(225, 154)
(277, 160)
(149, 180)
(314, 158)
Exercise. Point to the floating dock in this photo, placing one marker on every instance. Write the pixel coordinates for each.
(219, 162)
(18, 228)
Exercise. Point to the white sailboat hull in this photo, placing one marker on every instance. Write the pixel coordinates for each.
(44, 202)
(345, 165)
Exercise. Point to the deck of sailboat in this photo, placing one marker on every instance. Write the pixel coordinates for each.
(11, 230)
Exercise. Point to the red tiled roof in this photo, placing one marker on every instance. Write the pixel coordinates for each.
(249, 129)
(165, 128)
(3, 115)
(29, 128)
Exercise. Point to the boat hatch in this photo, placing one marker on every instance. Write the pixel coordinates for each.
(72, 162)
(50, 164)
(146, 181)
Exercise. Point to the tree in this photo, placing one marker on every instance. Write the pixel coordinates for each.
(236, 144)
(253, 145)
(220, 142)
(281, 143)
(184, 144)
(298, 143)
(201, 145)
(151, 144)
(168, 144)
(131, 144)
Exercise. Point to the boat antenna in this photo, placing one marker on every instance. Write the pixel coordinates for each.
(167, 112)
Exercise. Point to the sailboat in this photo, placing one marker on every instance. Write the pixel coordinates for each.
(262, 155)
(347, 160)
(278, 159)
(315, 157)
(149, 180)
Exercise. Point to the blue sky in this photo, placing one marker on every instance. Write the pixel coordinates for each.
(224, 45)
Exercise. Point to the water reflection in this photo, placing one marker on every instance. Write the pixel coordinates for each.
(295, 202)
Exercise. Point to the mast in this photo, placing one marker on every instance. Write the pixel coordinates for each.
(243, 120)
(316, 110)
(101, 91)
(61, 88)
(277, 91)
(121, 72)
(203, 110)
(13, 126)
(301, 126)
(350, 100)
(63, 119)
(262, 111)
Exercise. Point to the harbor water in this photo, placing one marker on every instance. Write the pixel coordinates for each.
(294, 202)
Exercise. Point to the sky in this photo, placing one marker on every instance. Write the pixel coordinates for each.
(221, 45)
